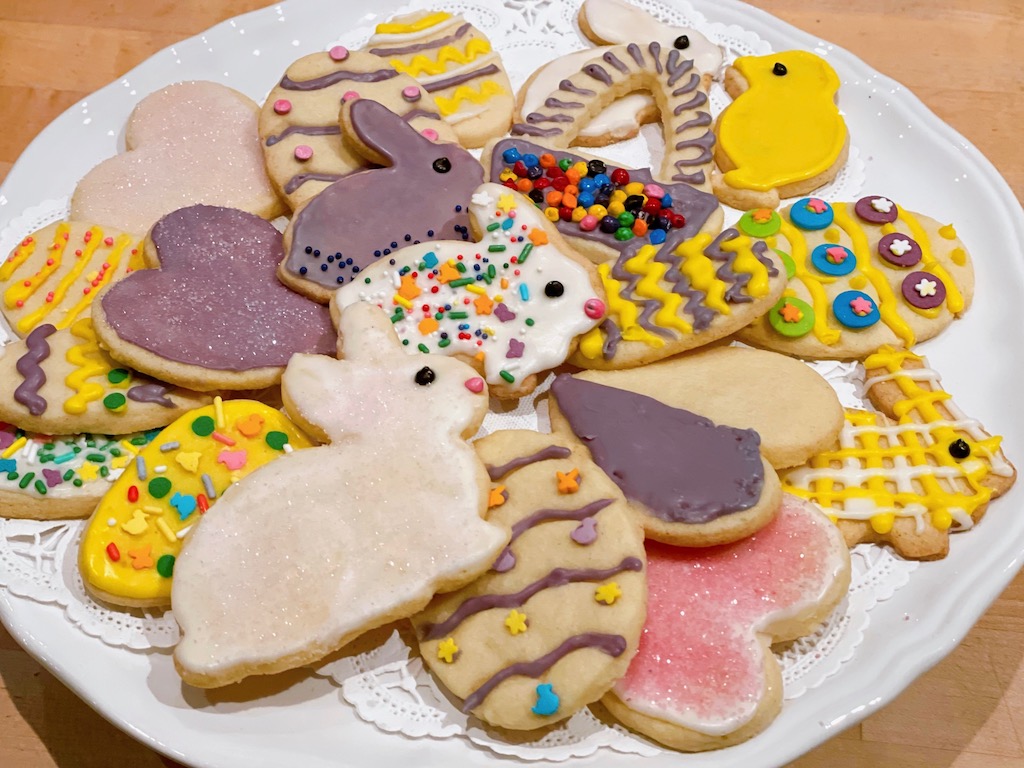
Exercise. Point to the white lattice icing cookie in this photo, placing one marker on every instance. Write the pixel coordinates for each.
(610, 23)
(299, 127)
(513, 304)
(912, 474)
(557, 618)
(321, 545)
(192, 142)
(704, 676)
(861, 275)
(61, 382)
(454, 63)
(53, 275)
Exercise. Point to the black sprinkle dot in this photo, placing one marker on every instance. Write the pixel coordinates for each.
(425, 376)
(442, 165)
(959, 449)
(779, 69)
(682, 42)
(309, 249)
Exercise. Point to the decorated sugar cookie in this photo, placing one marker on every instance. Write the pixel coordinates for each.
(557, 618)
(423, 194)
(46, 477)
(912, 474)
(453, 62)
(863, 275)
(689, 481)
(514, 303)
(680, 93)
(609, 23)
(133, 539)
(299, 128)
(319, 546)
(193, 142)
(62, 382)
(211, 314)
(704, 676)
(783, 135)
(54, 274)
(604, 209)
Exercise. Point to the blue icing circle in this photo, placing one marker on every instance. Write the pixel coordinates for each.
(820, 260)
(845, 314)
(807, 218)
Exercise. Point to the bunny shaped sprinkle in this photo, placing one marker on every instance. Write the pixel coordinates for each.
(321, 545)
(422, 195)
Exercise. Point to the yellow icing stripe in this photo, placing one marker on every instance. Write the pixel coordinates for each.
(746, 262)
(88, 362)
(954, 299)
(421, 65)
(819, 300)
(15, 295)
(449, 105)
(426, 22)
(16, 259)
(626, 312)
(701, 271)
(112, 260)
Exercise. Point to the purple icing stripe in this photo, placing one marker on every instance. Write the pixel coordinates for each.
(416, 47)
(150, 393)
(37, 350)
(449, 82)
(299, 179)
(342, 75)
(568, 87)
(305, 130)
(507, 560)
(525, 129)
(613, 645)
(558, 577)
(551, 452)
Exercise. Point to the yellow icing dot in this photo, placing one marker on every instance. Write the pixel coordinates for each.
(858, 282)
(882, 524)
(948, 232)
(958, 256)
(832, 235)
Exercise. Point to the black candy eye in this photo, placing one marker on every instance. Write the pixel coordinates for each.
(682, 42)
(554, 289)
(959, 449)
(442, 165)
(425, 376)
(779, 69)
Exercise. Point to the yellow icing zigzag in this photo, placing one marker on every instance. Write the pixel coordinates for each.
(88, 362)
(449, 105)
(421, 65)
(430, 20)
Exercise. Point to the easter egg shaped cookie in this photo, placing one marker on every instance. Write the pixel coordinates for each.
(556, 619)
(783, 135)
(365, 529)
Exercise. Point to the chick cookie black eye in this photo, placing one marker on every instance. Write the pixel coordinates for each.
(959, 449)
(779, 69)
(681, 43)
(425, 376)
(554, 289)
(442, 165)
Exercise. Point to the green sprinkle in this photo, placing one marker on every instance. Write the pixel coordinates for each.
(398, 316)
(405, 342)
(495, 248)
(77, 482)
(91, 443)
(461, 282)
(77, 449)
(491, 271)
(438, 315)
(529, 321)
(444, 343)
(493, 226)
(460, 266)
(12, 476)
(525, 253)
(159, 487)
(276, 440)
(117, 375)
(26, 480)
(507, 376)
(422, 265)
(565, 163)
(366, 280)
(95, 458)
(115, 451)
(487, 278)
(165, 566)
(203, 426)
(40, 486)
(68, 475)
(104, 471)
(49, 446)
(423, 348)
(458, 315)
(45, 458)
(140, 440)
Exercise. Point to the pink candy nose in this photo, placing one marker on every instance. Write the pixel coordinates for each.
(475, 385)
(594, 309)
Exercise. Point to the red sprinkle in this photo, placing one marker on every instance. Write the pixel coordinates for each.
(203, 502)
(222, 438)
(113, 552)
(133, 493)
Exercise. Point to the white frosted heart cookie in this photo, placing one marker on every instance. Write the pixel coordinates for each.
(556, 619)
(321, 545)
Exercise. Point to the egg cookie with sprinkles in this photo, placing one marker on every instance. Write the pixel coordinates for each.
(557, 619)
(513, 304)
(322, 545)
(455, 66)
(53, 275)
(861, 275)
(47, 477)
(421, 194)
(688, 481)
(299, 130)
(912, 474)
(135, 535)
(61, 382)
(189, 143)
(783, 134)
(704, 676)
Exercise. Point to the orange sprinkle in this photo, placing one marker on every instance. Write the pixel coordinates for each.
(568, 482)
(427, 325)
(538, 236)
(498, 497)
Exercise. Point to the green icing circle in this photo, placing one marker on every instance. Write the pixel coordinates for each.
(793, 330)
(787, 260)
(114, 401)
(165, 566)
(159, 487)
(756, 229)
(118, 375)
(203, 426)
(276, 440)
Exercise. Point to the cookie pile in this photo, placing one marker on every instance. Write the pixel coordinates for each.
(294, 410)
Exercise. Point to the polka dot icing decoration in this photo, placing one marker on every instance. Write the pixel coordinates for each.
(44, 477)
(319, 546)
(515, 302)
(704, 676)
(911, 474)
(857, 253)
(535, 622)
(811, 213)
(168, 489)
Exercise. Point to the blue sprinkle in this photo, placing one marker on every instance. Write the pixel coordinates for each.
(585, 199)
(316, 253)
(140, 468)
(507, 223)
(355, 270)
(170, 446)
(8, 465)
(586, 185)
(394, 244)
(530, 160)
(547, 701)
(303, 270)
(476, 267)
(340, 279)
(323, 267)
(603, 179)
(510, 155)
(430, 233)
(349, 261)
(408, 238)
(524, 292)
(184, 503)
(309, 249)
(458, 209)
(430, 259)
(657, 236)
(376, 253)
(666, 201)
(330, 259)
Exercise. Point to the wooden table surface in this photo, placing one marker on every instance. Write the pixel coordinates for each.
(963, 58)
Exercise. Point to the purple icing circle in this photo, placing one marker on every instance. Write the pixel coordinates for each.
(908, 259)
(915, 299)
(866, 211)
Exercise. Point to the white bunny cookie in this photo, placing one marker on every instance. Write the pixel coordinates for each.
(321, 545)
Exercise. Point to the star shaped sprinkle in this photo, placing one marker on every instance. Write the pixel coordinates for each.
(762, 215)
(790, 313)
(538, 236)
(836, 255)
(926, 287)
(88, 472)
(483, 304)
(515, 622)
(861, 306)
(816, 205)
(882, 204)
(568, 482)
(506, 203)
(899, 247)
(446, 649)
(607, 593)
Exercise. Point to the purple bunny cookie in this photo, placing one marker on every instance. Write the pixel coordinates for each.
(423, 194)
(210, 312)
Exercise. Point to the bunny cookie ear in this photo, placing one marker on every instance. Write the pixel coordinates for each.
(365, 333)
(378, 134)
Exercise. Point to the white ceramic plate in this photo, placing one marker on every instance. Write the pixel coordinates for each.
(912, 157)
